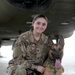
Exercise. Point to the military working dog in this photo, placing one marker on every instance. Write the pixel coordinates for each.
(53, 64)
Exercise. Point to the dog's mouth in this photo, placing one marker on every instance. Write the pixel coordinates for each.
(57, 63)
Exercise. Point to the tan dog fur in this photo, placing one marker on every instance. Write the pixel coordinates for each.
(55, 51)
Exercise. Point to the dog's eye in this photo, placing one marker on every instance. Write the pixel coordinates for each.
(60, 49)
(53, 49)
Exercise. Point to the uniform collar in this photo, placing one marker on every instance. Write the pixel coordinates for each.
(32, 39)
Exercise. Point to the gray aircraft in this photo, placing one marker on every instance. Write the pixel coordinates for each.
(16, 17)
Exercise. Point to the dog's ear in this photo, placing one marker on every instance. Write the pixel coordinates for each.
(50, 42)
(56, 38)
(61, 40)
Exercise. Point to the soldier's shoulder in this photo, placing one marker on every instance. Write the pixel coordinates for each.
(45, 36)
(23, 37)
(24, 34)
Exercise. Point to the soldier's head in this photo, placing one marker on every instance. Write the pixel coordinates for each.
(39, 23)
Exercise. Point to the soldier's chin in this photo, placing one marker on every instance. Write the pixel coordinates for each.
(39, 32)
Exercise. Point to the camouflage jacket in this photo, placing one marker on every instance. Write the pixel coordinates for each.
(28, 52)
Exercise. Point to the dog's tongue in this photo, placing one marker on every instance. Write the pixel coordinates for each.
(57, 63)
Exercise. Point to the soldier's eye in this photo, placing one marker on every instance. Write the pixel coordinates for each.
(43, 24)
(38, 23)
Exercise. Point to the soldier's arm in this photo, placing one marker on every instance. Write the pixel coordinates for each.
(20, 49)
(26, 63)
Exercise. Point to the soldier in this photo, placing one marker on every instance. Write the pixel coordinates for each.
(30, 50)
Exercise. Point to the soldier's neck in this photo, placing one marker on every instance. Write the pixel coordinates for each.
(36, 36)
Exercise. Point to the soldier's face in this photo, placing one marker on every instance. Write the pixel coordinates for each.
(39, 25)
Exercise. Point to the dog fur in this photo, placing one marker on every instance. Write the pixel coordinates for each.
(55, 52)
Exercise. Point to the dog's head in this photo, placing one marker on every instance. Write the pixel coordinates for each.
(56, 49)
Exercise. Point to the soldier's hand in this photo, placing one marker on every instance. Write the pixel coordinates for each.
(40, 69)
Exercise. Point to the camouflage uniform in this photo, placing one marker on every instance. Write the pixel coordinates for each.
(27, 54)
